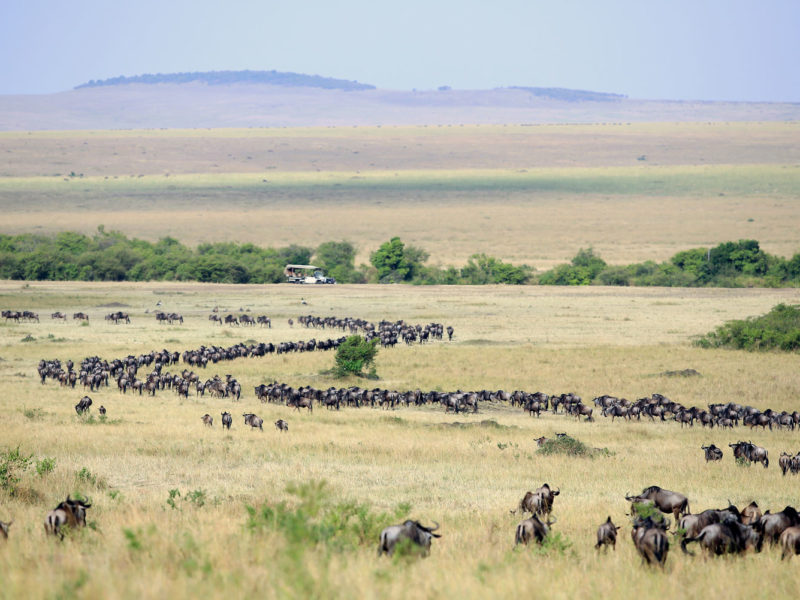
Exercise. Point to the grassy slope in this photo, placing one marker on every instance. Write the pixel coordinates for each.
(588, 341)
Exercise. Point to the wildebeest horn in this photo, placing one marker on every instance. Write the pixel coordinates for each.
(434, 528)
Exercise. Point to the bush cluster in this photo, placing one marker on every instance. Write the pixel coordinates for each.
(779, 329)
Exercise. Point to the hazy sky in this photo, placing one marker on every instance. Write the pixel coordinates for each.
(665, 49)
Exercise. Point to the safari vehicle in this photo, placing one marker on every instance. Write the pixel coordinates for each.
(306, 274)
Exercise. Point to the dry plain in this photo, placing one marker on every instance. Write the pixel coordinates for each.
(467, 477)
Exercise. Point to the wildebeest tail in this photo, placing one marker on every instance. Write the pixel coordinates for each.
(519, 535)
(661, 549)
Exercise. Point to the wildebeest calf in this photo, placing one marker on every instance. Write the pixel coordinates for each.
(227, 420)
(607, 534)
(207, 420)
(281, 425)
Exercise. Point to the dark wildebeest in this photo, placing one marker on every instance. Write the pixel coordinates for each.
(785, 462)
(790, 542)
(533, 529)
(539, 502)
(281, 425)
(83, 405)
(772, 525)
(253, 420)
(70, 513)
(665, 500)
(4, 529)
(102, 410)
(207, 420)
(449, 333)
(540, 441)
(413, 531)
(726, 537)
(650, 540)
(227, 420)
(751, 452)
(692, 525)
(607, 534)
(712, 452)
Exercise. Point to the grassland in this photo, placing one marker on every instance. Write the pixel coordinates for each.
(524, 194)
(467, 477)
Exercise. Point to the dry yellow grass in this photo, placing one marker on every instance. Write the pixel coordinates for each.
(589, 340)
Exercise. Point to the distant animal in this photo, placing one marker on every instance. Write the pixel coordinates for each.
(102, 410)
(207, 420)
(607, 534)
(533, 529)
(650, 540)
(281, 425)
(413, 531)
(4, 529)
(69, 513)
(539, 502)
(712, 452)
(253, 420)
(540, 441)
(227, 420)
(726, 537)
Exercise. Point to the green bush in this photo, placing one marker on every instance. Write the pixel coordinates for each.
(779, 329)
(45, 466)
(13, 463)
(355, 354)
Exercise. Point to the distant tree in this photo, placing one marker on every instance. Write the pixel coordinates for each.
(395, 262)
(337, 259)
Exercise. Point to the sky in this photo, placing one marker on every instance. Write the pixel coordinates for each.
(738, 50)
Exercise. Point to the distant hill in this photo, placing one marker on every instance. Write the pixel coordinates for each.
(275, 99)
(231, 77)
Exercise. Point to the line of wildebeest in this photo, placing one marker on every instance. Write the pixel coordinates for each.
(722, 531)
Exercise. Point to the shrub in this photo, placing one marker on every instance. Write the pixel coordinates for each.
(45, 466)
(355, 354)
(779, 329)
(12, 464)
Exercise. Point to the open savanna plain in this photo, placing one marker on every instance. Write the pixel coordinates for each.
(465, 471)
(524, 194)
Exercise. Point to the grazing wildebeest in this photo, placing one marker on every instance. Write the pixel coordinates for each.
(102, 410)
(4, 529)
(253, 420)
(726, 537)
(70, 513)
(227, 420)
(207, 420)
(413, 531)
(751, 452)
(83, 405)
(80, 316)
(58, 315)
(712, 452)
(650, 540)
(607, 534)
(281, 425)
(665, 500)
(264, 320)
(533, 529)
(790, 542)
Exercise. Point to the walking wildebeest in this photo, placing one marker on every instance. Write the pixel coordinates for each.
(607, 534)
(533, 529)
(413, 531)
(227, 420)
(207, 420)
(712, 452)
(726, 537)
(772, 525)
(4, 529)
(83, 405)
(665, 500)
(650, 540)
(539, 502)
(102, 410)
(785, 462)
(281, 425)
(253, 420)
(790, 542)
(70, 513)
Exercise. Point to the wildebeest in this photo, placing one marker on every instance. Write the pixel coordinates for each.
(281, 425)
(4, 529)
(726, 537)
(665, 500)
(785, 462)
(102, 410)
(539, 502)
(207, 420)
(650, 540)
(533, 529)
(58, 315)
(790, 542)
(227, 420)
(69, 513)
(772, 525)
(751, 452)
(253, 420)
(83, 405)
(712, 452)
(751, 514)
(607, 534)
(413, 531)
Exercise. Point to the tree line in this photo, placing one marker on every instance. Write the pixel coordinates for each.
(112, 256)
